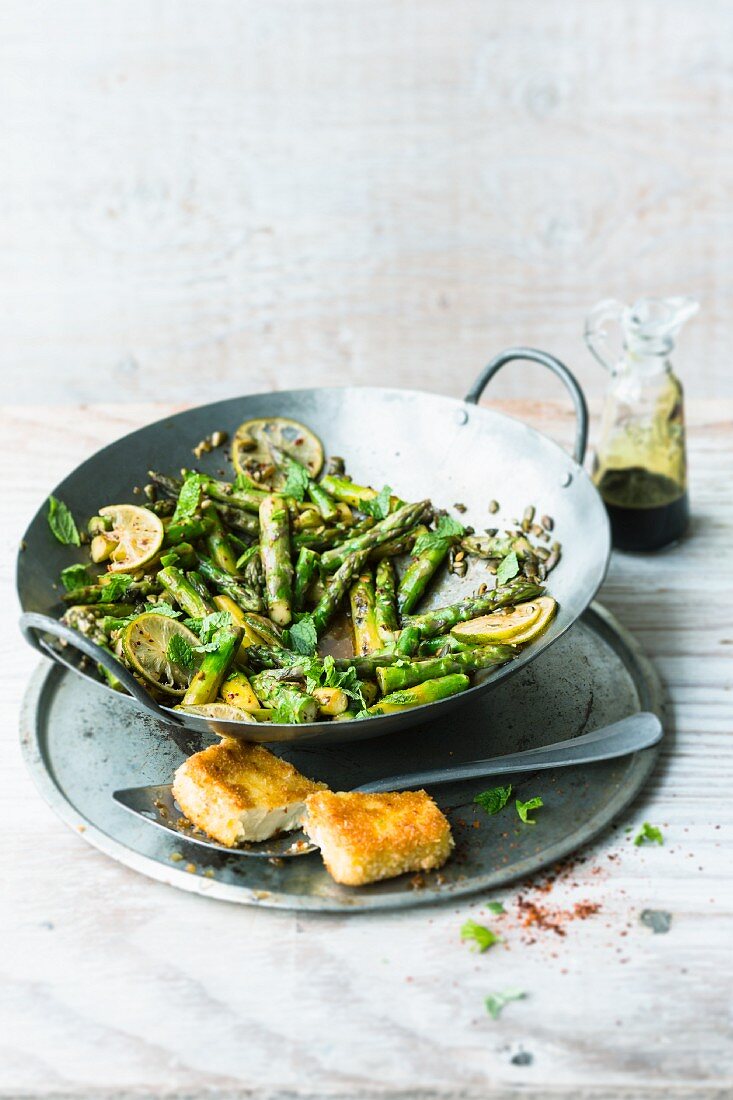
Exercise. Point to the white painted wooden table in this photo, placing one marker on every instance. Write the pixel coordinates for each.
(114, 985)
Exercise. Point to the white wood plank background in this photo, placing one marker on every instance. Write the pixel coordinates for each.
(199, 199)
(116, 987)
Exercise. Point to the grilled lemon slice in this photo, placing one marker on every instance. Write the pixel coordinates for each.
(145, 644)
(253, 440)
(138, 534)
(521, 623)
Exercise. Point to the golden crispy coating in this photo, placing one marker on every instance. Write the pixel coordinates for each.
(236, 791)
(367, 837)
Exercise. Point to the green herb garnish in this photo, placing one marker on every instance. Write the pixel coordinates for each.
(480, 935)
(76, 576)
(213, 630)
(115, 585)
(61, 522)
(524, 809)
(180, 652)
(508, 568)
(494, 800)
(495, 1002)
(302, 636)
(378, 506)
(296, 481)
(447, 530)
(648, 834)
(495, 907)
(189, 498)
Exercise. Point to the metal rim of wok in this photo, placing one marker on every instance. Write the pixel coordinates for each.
(442, 425)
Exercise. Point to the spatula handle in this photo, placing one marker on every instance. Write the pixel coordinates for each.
(632, 734)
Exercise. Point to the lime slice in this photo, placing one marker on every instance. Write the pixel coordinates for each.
(138, 534)
(145, 643)
(253, 440)
(222, 712)
(548, 607)
(500, 626)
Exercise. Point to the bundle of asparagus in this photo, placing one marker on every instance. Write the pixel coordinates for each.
(216, 593)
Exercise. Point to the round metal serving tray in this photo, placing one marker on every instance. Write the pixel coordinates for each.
(80, 744)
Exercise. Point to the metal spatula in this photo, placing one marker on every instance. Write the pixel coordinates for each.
(639, 731)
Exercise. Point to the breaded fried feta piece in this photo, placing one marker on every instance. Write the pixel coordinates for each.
(236, 791)
(367, 837)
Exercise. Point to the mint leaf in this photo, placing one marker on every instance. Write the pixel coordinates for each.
(447, 531)
(162, 608)
(378, 506)
(495, 907)
(302, 636)
(115, 585)
(214, 629)
(648, 834)
(76, 576)
(480, 935)
(244, 481)
(189, 498)
(524, 809)
(180, 653)
(508, 568)
(327, 675)
(296, 481)
(62, 524)
(495, 1002)
(494, 800)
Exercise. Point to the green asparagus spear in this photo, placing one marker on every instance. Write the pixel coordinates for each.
(188, 530)
(208, 678)
(275, 550)
(407, 642)
(419, 573)
(441, 619)
(337, 588)
(293, 703)
(366, 667)
(170, 485)
(396, 523)
(306, 569)
(363, 615)
(398, 677)
(218, 544)
(239, 520)
(427, 692)
(247, 500)
(106, 593)
(385, 608)
(325, 538)
(323, 502)
(184, 593)
(347, 491)
(401, 545)
(223, 582)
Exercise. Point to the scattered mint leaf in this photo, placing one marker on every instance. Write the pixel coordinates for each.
(194, 625)
(480, 935)
(495, 907)
(296, 480)
(378, 506)
(302, 636)
(76, 576)
(494, 800)
(508, 568)
(524, 809)
(326, 674)
(115, 585)
(495, 1002)
(62, 524)
(162, 608)
(214, 629)
(180, 653)
(648, 834)
(189, 498)
(446, 531)
(244, 481)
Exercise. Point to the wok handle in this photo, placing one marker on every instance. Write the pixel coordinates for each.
(33, 626)
(558, 368)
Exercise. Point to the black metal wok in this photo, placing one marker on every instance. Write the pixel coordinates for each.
(425, 445)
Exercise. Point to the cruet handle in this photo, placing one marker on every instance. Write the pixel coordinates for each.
(595, 334)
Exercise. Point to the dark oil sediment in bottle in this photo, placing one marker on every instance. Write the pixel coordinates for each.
(647, 511)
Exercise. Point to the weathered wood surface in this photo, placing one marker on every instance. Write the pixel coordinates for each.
(207, 199)
(112, 985)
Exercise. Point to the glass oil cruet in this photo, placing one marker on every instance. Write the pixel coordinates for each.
(640, 465)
